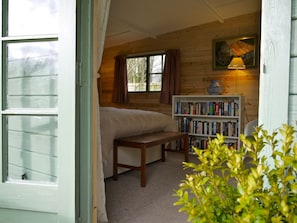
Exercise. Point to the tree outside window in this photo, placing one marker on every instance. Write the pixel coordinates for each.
(145, 73)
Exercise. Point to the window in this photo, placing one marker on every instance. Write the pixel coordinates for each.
(145, 73)
(30, 90)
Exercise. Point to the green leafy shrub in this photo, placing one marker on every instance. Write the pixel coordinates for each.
(229, 185)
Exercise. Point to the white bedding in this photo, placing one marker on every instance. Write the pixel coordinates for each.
(119, 122)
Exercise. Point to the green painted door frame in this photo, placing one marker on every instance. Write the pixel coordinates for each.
(85, 108)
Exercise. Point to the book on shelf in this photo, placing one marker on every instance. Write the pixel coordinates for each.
(177, 145)
(202, 127)
(202, 143)
(219, 108)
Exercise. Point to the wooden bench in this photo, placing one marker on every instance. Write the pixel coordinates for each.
(143, 142)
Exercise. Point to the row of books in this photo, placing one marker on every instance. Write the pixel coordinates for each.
(177, 145)
(220, 108)
(203, 144)
(196, 126)
(199, 143)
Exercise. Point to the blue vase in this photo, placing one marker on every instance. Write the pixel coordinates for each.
(215, 88)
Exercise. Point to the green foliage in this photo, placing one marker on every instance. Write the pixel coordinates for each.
(229, 185)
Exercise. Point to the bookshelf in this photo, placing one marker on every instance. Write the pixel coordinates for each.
(203, 116)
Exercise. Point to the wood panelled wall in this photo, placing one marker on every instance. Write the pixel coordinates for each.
(195, 44)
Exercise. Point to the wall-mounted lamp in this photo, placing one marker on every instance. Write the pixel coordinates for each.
(236, 64)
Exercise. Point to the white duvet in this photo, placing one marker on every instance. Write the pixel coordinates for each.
(119, 122)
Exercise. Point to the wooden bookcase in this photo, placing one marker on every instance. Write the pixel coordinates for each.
(203, 116)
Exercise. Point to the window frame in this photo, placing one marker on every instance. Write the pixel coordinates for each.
(148, 74)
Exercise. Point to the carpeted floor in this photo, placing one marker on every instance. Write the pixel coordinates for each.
(127, 202)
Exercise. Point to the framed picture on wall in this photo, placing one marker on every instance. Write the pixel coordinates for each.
(225, 49)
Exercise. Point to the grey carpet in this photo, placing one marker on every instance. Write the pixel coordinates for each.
(127, 202)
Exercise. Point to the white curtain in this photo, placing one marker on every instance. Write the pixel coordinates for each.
(101, 11)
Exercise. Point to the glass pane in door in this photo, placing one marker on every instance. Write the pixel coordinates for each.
(31, 74)
(32, 17)
(32, 148)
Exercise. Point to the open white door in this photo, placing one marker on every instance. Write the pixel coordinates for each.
(275, 63)
(37, 150)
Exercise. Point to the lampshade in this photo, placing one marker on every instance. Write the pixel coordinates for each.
(236, 64)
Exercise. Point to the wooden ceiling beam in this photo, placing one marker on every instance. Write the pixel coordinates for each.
(133, 28)
(214, 11)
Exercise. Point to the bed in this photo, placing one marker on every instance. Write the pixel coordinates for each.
(120, 122)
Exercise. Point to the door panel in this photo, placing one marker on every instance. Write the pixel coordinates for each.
(28, 196)
(26, 216)
(38, 81)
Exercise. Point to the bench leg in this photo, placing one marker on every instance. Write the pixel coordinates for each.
(143, 167)
(115, 161)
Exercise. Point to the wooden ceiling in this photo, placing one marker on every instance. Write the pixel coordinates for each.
(131, 20)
